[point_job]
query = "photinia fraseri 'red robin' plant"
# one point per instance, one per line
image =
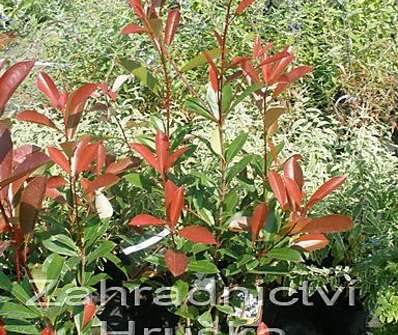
(219, 224)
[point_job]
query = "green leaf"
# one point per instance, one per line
(226, 309)
(203, 266)
(194, 105)
(200, 59)
(273, 114)
(280, 269)
(179, 292)
(238, 168)
(206, 319)
(187, 312)
(62, 245)
(5, 282)
(285, 254)
(226, 98)
(248, 91)
(53, 266)
(142, 73)
(94, 231)
(12, 310)
(103, 249)
(21, 327)
(236, 146)
(215, 142)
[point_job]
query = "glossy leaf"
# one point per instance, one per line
(142, 73)
(11, 79)
(6, 154)
(175, 200)
(120, 166)
(145, 220)
(47, 331)
(31, 202)
(293, 191)
(278, 188)
(35, 117)
(138, 8)
(236, 146)
(89, 311)
(194, 105)
(105, 180)
(147, 155)
(292, 170)
(200, 59)
(173, 20)
(258, 220)
(175, 156)
(46, 85)
(176, 262)
(324, 190)
(133, 29)
(311, 242)
(59, 158)
(243, 5)
(84, 158)
(285, 254)
(328, 224)
(203, 266)
(197, 234)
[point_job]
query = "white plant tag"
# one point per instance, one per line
(147, 243)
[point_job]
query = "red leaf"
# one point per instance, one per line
(147, 155)
(278, 188)
(297, 73)
(277, 72)
(133, 29)
(54, 194)
(6, 154)
(84, 157)
(138, 8)
(88, 312)
(47, 331)
(162, 150)
(46, 85)
(311, 242)
(31, 202)
(176, 262)
(173, 20)
(4, 227)
(31, 163)
(24, 150)
(258, 220)
(197, 234)
(175, 155)
(250, 71)
(328, 224)
(174, 202)
(56, 182)
(293, 191)
(324, 190)
(119, 166)
(2, 328)
(59, 158)
(262, 329)
(278, 56)
(145, 220)
(258, 50)
(213, 73)
(35, 117)
(293, 170)
(11, 79)
(243, 6)
(105, 180)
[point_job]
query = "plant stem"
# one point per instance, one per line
(265, 130)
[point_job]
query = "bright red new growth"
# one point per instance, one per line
(262, 329)
(105, 180)
(133, 29)
(174, 200)
(278, 188)
(311, 242)
(11, 79)
(46, 85)
(176, 262)
(88, 312)
(173, 20)
(294, 193)
(84, 156)
(258, 220)
(324, 190)
(213, 73)
(59, 158)
(2, 328)
(119, 166)
(35, 117)
(145, 220)
(47, 331)
(333, 223)
(293, 170)
(138, 8)
(197, 234)
(243, 6)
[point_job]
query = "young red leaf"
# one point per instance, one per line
(4, 227)
(138, 8)
(175, 155)
(56, 182)
(213, 73)
(297, 73)
(147, 155)
(293, 191)
(262, 329)
(328, 224)
(174, 198)
(31, 163)
(35, 117)
(47, 331)
(278, 188)
(59, 158)
(173, 20)
(105, 180)
(243, 5)
(54, 194)
(197, 234)
(31, 202)
(324, 190)
(250, 71)
(145, 220)
(11, 79)
(133, 29)
(258, 50)
(2, 328)
(176, 262)
(88, 312)
(292, 170)
(84, 157)
(311, 242)
(277, 71)
(281, 87)
(162, 150)
(6, 155)
(46, 85)
(258, 220)
(119, 166)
